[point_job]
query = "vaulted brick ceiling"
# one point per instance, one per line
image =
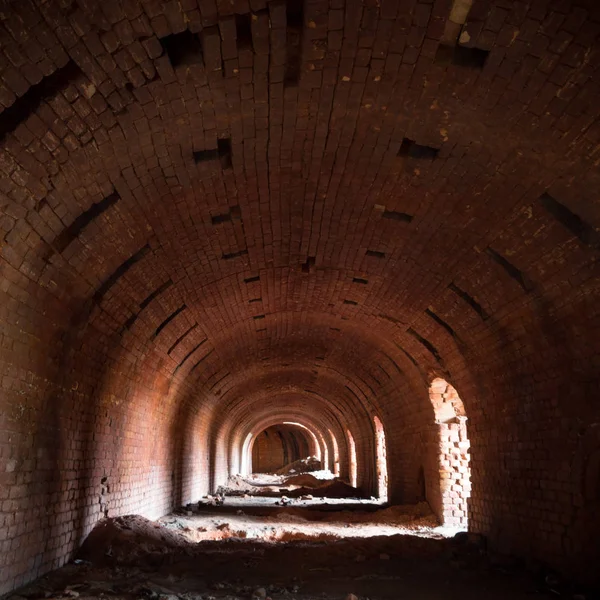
(217, 212)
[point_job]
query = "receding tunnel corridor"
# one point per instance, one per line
(308, 283)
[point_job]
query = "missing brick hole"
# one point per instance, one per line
(68, 235)
(183, 49)
(511, 270)
(427, 344)
(375, 254)
(218, 219)
(258, 317)
(396, 216)
(470, 301)
(410, 148)
(253, 300)
(222, 152)
(243, 30)
(351, 302)
(583, 231)
(182, 337)
(360, 281)
(310, 262)
(252, 279)
(229, 256)
(120, 271)
(29, 102)
(461, 56)
(441, 323)
(168, 320)
(295, 26)
(185, 358)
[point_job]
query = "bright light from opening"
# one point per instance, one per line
(353, 470)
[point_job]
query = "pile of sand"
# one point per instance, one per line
(124, 540)
(305, 480)
(334, 489)
(304, 465)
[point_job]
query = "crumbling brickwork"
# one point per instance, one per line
(219, 216)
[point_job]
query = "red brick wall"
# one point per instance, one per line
(324, 261)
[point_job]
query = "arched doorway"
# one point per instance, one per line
(352, 459)
(382, 471)
(454, 457)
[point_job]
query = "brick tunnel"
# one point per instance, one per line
(239, 233)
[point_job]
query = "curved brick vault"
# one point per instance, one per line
(220, 216)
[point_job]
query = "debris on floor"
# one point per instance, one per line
(304, 465)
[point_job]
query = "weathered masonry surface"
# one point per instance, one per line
(219, 217)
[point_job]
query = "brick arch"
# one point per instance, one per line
(455, 205)
(277, 446)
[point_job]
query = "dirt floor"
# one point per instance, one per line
(316, 519)
(132, 557)
(250, 548)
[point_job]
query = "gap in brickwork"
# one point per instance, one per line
(121, 270)
(168, 320)
(388, 318)
(511, 270)
(295, 27)
(233, 213)
(222, 153)
(425, 343)
(335, 329)
(181, 338)
(375, 254)
(310, 262)
(397, 216)
(201, 361)
(157, 292)
(441, 322)
(183, 49)
(360, 280)
(252, 279)
(470, 301)
(218, 219)
(410, 148)
(29, 102)
(408, 355)
(230, 255)
(224, 149)
(243, 31)
(69, 234)
(258, 317)
(583, 231)
(216, 383)
(461, 56)
(396, 366)
(253, 300)
(351, 302)
(184, 359)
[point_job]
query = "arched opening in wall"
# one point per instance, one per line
(317, 453)
(381, 461)
(278, 446)
(454, 456)
(336, 454)
(352, 459)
